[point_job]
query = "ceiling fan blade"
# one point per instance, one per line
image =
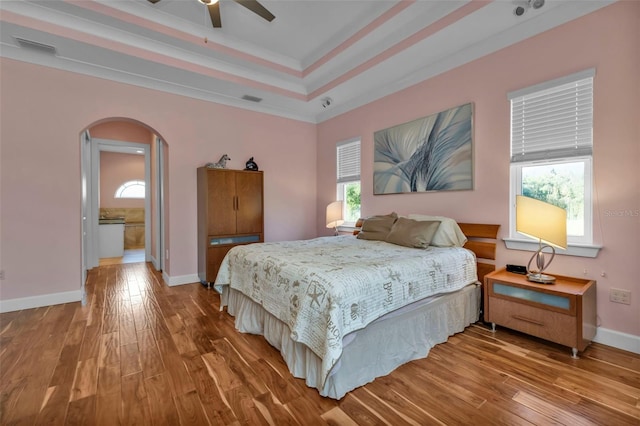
(214, 13)
(257, 8)
(153, 1)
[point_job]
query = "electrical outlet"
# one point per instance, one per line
(617, 295)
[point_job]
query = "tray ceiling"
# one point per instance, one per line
(352, 52)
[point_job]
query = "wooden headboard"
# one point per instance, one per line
(481, 239)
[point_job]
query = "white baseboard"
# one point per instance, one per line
(179, 280)
(624, 341)
(21, 303)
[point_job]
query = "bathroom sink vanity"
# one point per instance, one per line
(111, 237)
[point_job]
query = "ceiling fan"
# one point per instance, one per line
(214, 10)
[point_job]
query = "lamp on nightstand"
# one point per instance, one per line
(546, 223)
(334, 215)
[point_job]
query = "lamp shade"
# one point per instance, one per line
(334, 214)
(542, 221)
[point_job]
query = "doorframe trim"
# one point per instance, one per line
(125, 147)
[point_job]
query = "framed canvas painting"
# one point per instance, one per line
(433, 153)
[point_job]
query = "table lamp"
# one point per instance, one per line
(546, 223)
(334, 215)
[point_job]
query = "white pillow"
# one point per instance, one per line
(448, 234)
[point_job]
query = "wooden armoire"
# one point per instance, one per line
(230, 212)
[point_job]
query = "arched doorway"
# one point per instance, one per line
(123, 135)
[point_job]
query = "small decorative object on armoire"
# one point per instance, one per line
(251, 165)
(221, 164)
(230, 212)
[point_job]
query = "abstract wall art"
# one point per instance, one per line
(433, 153)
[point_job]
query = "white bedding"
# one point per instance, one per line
(327, 287)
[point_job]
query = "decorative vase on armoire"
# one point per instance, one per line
(230, 212)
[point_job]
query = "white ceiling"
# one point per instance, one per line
(352, 51)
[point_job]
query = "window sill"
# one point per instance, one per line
(580, 250)
(346, 228)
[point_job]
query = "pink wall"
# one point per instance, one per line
(40, 169)
(607, 40)
(115, 169)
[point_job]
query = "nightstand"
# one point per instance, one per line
(563, 312)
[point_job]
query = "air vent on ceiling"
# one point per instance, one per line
(34, 45)
(251, 98)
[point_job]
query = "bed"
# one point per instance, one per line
(344, 310)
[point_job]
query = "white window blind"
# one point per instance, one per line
(348, 155)
(553, 120)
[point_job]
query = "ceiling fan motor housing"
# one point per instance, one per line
(214, 10)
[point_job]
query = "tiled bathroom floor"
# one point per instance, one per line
(130, 256)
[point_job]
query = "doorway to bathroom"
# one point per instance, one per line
(123, 199)
(123, 190)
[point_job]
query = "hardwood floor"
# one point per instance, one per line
(141, 352)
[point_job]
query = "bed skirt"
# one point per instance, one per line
(385, 344)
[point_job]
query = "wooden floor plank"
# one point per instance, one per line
(175, 370)
(141, 352)
(609, 396)
(190, 409)
(108, 410)
(82, 411)
(239, 366)
(127, 327)
(109, 349)
(135, 402)
(10, 398)
(613, 356)
(216, 408)
(278, 386)
(199, 334)
(274, 412)
(54, 406)
(553, 412)
(336, 416)
(85, 383)
(360, 413)
(130, 359)
(163, 408)
(183, 342)
(381, 408)
(150, 358)
(65, 369)
(244, 407)
(90, 347)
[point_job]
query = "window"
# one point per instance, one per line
(131, 189)
(348, 179)
(551, 149)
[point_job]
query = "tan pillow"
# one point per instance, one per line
(412, 233)
(448, 234)
(377, 227)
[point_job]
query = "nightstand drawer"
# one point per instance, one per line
(561, 303)
(554, 326)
